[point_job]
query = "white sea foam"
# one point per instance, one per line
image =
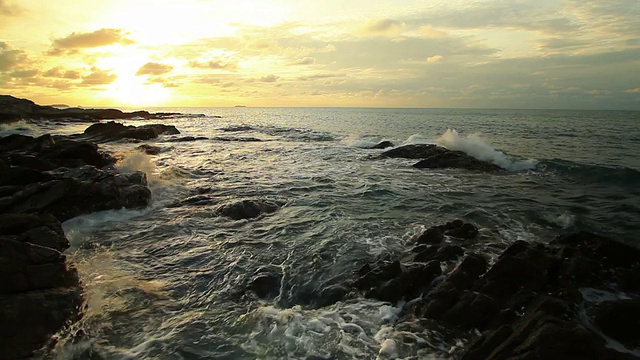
(417, 139)
(20, 127)
(137, 161)
(477, 147)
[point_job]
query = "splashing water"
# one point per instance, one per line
(20, 127)
(475, 146)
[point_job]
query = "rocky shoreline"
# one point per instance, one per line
(531, 302)
(14, 109)
(44, 181)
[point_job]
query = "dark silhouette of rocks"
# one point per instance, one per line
(247, 209)
(115, 131)
(43, 181)
(40, 291)
(438, 157)
(14, 109)
(528, 304)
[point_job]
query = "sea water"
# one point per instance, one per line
(167, 282)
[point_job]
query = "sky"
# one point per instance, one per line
(527, 54)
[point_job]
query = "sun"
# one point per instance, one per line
(135, 91)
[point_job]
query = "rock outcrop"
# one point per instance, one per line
(40, 291)
(528, 304)
(437, 157)
(14, 109)
(44, 181)
(115, 131)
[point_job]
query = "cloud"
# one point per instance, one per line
(9, 9)
(58, 72)
(216, 64)
(152, 68)
(98, 38)
(269, 78)
(99, 77)
(307, 60)
(24, 73)
(384, 26)
(435, 59)
(10, 58)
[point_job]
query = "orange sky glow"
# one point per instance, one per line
(481, 53)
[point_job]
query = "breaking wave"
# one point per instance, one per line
(477, 147)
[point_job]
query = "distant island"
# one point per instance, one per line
(240, 106)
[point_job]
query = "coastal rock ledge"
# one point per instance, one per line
(40, 291)
(44, 181)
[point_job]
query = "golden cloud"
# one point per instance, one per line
(152, 68)
(98, 38)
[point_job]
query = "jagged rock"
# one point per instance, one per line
(115, 131)
(434, 156)
(69, 197)
(247, 209)
(40, 292)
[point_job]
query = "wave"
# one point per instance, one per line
(475, 146)
(585, 173)
(20, 127)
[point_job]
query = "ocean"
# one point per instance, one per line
(166, 282)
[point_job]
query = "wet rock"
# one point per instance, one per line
(432, 235)
(434, 156)
(115, 131)
(266, 285)
(197, 200)
(149, 149)
(236, 128)
(40, 292)
(187, 139)
(247, 209)
(382, 145)
(330, 295)
(620, 320)
(69, 197)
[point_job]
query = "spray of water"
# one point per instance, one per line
(477, 147)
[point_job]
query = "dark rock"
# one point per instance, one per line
(197, 200)
(236, 128)
(441, 253)
(149, 149)
(473, 310)
(247, 209)
(382, 145)
(40, 292)
(266, 285)
(432, 235)
(68, 197)
(620, 320)
(14, 109)
(115, 131)
(330, 295)
(187, 139)
(240, 139)
(464, 231)
(434, 156)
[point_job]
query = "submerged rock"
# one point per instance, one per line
(149, 149)
(438, 157)
(247, 209)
